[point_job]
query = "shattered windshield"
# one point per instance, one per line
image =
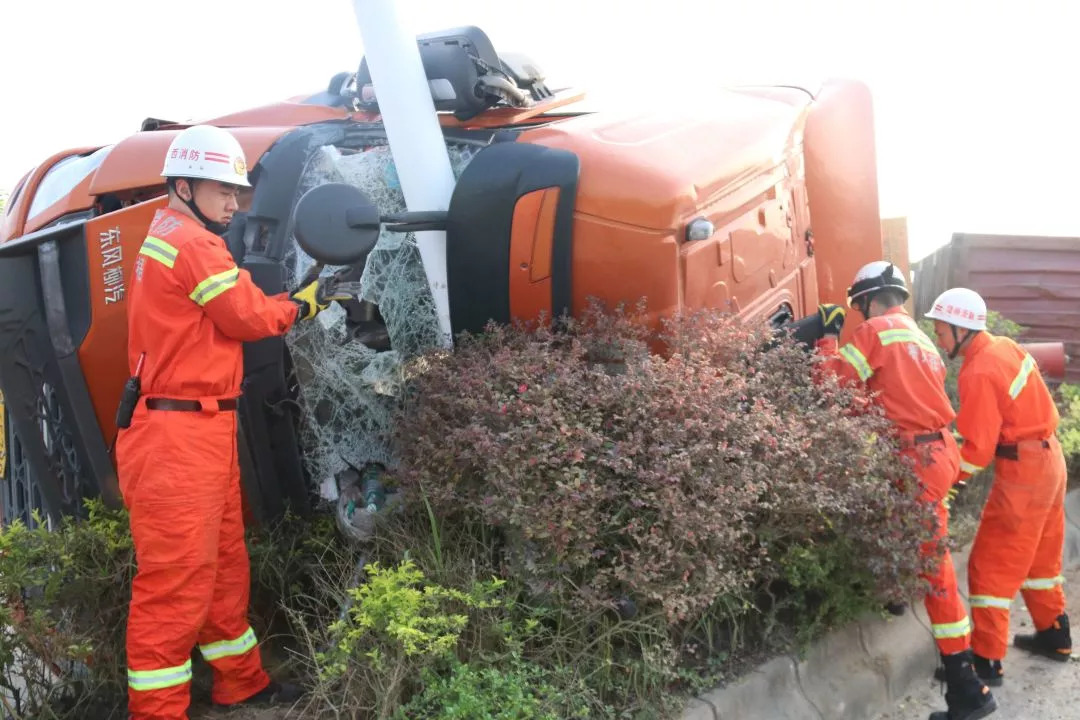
(351, 360)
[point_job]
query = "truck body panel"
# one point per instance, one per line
(762, 203)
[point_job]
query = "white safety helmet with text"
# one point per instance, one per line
(205, 152)
(961, 307)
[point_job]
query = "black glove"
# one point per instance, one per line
(828, 320)
(832, 318)
(804, 331)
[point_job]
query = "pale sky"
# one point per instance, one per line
(975, 101)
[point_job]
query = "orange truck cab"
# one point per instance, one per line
(764, 203)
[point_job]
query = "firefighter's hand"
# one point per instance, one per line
(954, 492)
(309, 301)
(832, 318)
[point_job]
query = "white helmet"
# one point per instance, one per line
(208, 153)
(875, 276)
(960, 307)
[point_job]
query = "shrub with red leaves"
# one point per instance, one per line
(716, 469)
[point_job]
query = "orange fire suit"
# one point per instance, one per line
(190, 311)
(1007, 411)
(901, 365)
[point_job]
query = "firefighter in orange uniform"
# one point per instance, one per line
(190, 310)
(1008, 416)
(898, 362)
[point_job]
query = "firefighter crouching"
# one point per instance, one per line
(189, 312)
(899, 363)
(1007, 415)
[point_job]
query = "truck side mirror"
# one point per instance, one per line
(336, 224)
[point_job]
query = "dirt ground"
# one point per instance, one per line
(1034, 688)
(207, 713)
(202, 710)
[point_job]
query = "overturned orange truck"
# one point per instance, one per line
(762, 201)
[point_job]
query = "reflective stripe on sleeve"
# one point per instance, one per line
(1022, 377)
(157, 249)
(857, 360)
(159, 679)
(895, 335)
(215, 285)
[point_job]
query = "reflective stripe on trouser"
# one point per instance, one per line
(161, 678)
(1018, 548)
(949, 621)
(937, 465)
(180, 481)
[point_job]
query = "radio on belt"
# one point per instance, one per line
(130, 397)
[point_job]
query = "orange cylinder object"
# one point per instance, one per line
(1050, 356)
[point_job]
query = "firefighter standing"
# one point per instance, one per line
(190, 310)
(898, 362)
(1008, 415)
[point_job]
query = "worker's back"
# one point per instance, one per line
(998, 368)
(900, 364)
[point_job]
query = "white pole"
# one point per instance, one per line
(412, 127)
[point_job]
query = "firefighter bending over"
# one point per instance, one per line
(898, 362)
(1007, 415)
(190, 310)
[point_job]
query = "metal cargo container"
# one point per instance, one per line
(1031, 280)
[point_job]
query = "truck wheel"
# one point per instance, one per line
(19, 490)
(60, 445)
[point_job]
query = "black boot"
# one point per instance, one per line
(989, 671)
(1055, 642)
(273, 694)
(965, 695)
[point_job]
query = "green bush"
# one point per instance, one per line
(373, 632)
(297, 566)
(667, 509)
(64, 596)
(63, 610)
(1068, 397)
(588, 530)
(397, 625)
(517, 690)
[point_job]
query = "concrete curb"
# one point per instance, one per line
(855, 672)
(1072, 528)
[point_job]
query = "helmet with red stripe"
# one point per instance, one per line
(205, 152)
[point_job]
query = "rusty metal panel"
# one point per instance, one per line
(894, 244)
(1031, 280)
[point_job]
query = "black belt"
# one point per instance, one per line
(1012, 452)
(188, 405)
(928, 438)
